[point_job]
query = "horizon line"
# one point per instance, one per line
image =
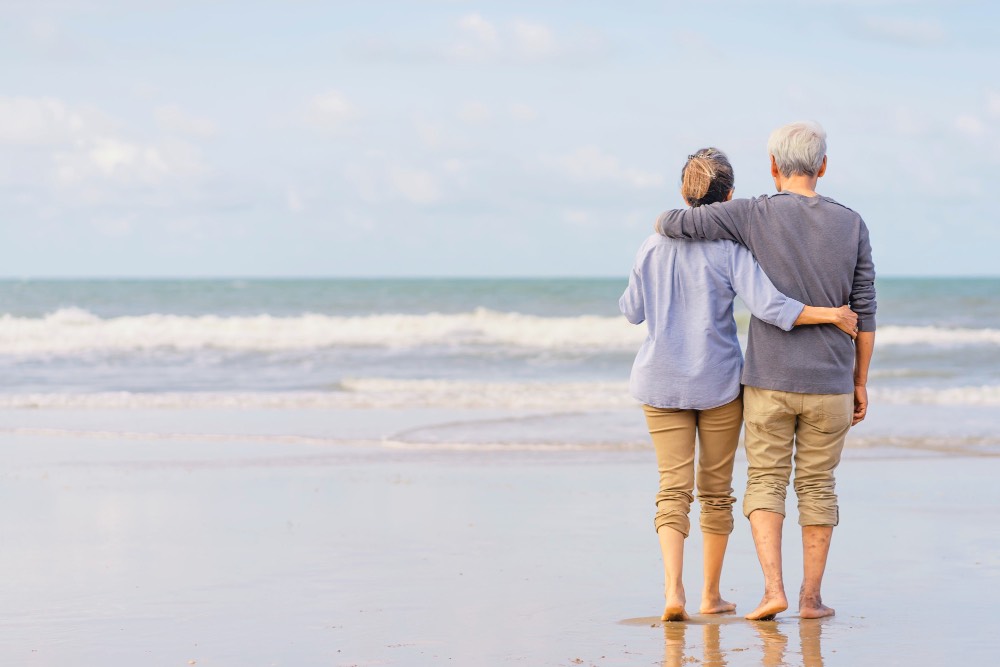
(69, 278)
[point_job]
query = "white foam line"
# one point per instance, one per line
(154, 435)
(362, 393)
(381, 393)
(973, 395)
(71, 331)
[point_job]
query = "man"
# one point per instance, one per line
(806, 387)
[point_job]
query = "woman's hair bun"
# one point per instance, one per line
(707, 177)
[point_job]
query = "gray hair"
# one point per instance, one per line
(798, 148)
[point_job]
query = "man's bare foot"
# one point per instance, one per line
(820, 611)
(811, 606)
(714, 604)
(674, 613)
(769, 607)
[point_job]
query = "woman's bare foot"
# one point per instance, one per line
(768, 608)
(714, 604)
(674, 613)
(674, 610)
(811, 606)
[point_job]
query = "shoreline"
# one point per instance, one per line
(889, 432)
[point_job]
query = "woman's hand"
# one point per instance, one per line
(843, 318)
(846, 320)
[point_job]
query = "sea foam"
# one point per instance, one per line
(72, 330)
(382, 393)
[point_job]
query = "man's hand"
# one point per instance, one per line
(860, 404)
(846, 320)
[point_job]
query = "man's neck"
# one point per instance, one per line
(799, 184)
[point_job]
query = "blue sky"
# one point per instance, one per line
(473, 138)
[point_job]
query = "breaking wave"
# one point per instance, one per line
(72, 330)
(366, 393)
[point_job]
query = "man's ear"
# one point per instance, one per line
(775, 174)
(730, 195)
(822, 168)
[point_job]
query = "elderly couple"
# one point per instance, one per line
(803, 385)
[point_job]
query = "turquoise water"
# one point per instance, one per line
(111, 298)
(906, 301)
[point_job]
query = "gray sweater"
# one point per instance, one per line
(814, 250)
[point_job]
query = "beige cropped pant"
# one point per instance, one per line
(673, 432)
(808, 428)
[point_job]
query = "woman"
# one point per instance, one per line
(687, 373)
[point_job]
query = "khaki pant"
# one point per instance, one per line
(673, 433)
(811, 428)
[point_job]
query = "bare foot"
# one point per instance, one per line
(811, 606)
(676, 600)
(714, 604)
(769, 607)
(674, 613)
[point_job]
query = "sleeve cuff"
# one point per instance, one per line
(866, 323)
(789, 313)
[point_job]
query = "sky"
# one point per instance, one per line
(454, 138)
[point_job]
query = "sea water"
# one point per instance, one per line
(554, 352)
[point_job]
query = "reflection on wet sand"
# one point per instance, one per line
(713, 656)
(809, 636)
(673, 648)
(773, 644)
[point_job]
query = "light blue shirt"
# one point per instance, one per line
(684, 292)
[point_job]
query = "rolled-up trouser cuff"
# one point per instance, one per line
(717, 515)
(828, 517)
(752, 503)
(675, 519)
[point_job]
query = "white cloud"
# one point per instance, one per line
(174, 119)
(415, 185)
(331, 110)
(111, 155)
(45, 121)
(103, 161)
(519, 41)
(474, 113)
(909, 32)
(591, 165)
(85, 150)
(533, 40)
(970, 125)
(522, 112)
(379, 181)
(479, 38)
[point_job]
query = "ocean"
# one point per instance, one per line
(527, 363)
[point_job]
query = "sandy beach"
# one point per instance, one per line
(130, 541)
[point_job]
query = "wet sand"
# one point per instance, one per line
(231, 550)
